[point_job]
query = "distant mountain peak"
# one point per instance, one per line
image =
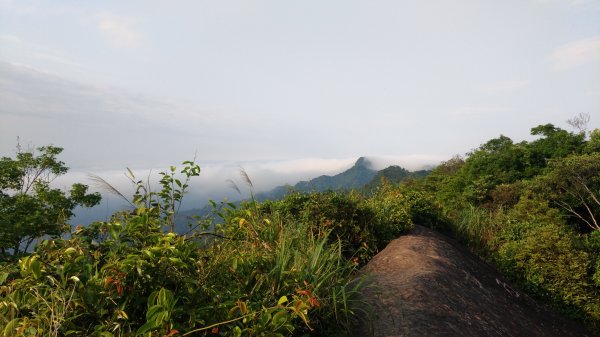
(363, 162)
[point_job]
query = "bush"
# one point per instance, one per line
(549, 263)
(337, 215)
(392, 216)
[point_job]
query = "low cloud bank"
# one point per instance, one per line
(212, 184)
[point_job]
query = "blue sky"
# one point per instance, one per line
(299, 87)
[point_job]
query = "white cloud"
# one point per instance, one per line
(17, 7)
(120, 31)
(576, 53)
(308, 165)
(411, 162)
(8, 38)
(505, 86)
(570, 3)
(212, 182)
(475, 110)
(36, 50)
(28, 91)
(593, 93)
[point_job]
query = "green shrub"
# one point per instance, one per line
(340, 216)
(550, 264)
(391, 214)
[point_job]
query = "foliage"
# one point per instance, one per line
(167, 200)
(573, 183)
(391, 214)
(260, 274)
(288, 267)
(364, 225)
(355, 177)
(393, 175)
(550, 264)
(531, 208)
(339, 215)
(29, 207)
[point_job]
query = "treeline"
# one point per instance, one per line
(532, 208)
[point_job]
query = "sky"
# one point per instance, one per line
(288, 89)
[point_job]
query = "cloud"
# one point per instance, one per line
(413, 162)
(43, 108)
(36, 51)
(505, 86)
(8, 38)
(570, 3)
(477, 110)
(212, 182)
(18, 7)
(120, 31)
(308, 165)
(576, 53)
(28, 91)
(120, 127)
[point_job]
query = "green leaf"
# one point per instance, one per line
(11, 327)
(280, 318)
(149, 326)
(282, 300)
(153, 312)
(3, 277)
(36, 268)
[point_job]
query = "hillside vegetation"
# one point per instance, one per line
(533, 210)
(280, 268)
(289, 267)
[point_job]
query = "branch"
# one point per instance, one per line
(570, 209)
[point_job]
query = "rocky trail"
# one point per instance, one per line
(425, 284)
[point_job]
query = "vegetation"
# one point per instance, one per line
(355, 177)
(532, 209)
(288, 267)
(29, 207)
(285, 268)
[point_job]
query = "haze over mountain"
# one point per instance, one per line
(357, 176)
(271, 179)
(362, 175)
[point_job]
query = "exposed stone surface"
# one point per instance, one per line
(425, 284)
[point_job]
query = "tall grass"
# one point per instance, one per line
(475, 226)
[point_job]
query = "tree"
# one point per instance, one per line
(29, 207)
(580, 122)
(554, 143)
(574, 184)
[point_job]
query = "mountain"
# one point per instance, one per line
(359, 176)
(394, 174)
(355, 177)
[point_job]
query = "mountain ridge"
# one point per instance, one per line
(360, 175)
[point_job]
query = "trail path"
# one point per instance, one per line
(425, 284)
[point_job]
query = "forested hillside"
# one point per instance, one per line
(355, 177)
(289, 267)
(532, 208)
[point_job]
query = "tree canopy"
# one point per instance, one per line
(29, 206)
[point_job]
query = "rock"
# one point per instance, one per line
(425, 284)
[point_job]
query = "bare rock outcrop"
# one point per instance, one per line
(425, 284)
